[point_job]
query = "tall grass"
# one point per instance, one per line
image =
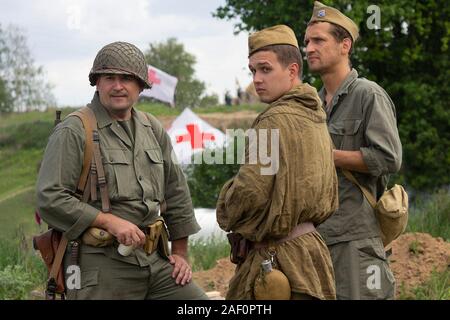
(436, 288)
(21, 269)
(431, 214)
(204, 253)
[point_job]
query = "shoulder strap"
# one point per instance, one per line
(352, 178)
(87, 117)
(366, 192)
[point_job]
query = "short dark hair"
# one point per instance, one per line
(286, 54)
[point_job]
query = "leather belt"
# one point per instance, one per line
(301, 229)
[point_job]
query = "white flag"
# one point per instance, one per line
(190, 134)
(164, 85)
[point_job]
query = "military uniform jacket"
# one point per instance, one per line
(139, 176)
(267, 207)
(362, 117)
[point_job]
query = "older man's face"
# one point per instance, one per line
(118, 93)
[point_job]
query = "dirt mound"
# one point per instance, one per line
(414, 257)
(217, 278)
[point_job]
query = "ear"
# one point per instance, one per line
(293, 71)
(346, 45)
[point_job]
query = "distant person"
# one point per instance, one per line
(239, 95)
(140, 175)
(362, 122)
(277, 212)
(228, 99)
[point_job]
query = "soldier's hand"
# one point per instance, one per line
(126, 232)
(182, 272)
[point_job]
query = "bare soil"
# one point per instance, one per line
(414, 257)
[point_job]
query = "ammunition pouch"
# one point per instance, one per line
(239, 247)
(157, 238)
(97, 237)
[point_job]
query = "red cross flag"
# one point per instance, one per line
(190, 134)
(164, 85)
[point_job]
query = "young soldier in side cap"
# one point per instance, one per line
(362, 123)
(277, 213)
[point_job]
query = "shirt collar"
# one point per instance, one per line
(343, 88)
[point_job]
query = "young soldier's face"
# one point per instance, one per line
(270, 77)
(323, 52)
(118, 93)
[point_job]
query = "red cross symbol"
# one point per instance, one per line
(153, 77)
(196, 137)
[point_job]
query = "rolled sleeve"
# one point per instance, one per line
(83, 222)
(182, 230)
(383, 153)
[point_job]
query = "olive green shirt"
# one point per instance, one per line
(362, 117)
(139, 176)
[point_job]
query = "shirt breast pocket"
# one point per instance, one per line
(346, 134)
(118, 170)
(155, 171)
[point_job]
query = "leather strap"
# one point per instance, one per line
(299, 230)
(97, 159)
(58, 258)
(366, 192)
(86, 115)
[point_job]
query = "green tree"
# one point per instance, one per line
(22, 86)
(171, 57)
(6, 104)
(407, 56)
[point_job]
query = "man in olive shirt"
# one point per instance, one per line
(362, 122)
(140, 173)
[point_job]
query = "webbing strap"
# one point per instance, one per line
(85, 114)
(92, 172)
(58, 258)
(97, 159)
(366, 192)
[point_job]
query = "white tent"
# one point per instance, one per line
(190, 134)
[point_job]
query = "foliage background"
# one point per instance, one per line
(407, 56)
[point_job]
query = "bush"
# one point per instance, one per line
(206, 180)
(21, 268)
(15, 283)
(32, 135)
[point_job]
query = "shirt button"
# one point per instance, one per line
(140, 178)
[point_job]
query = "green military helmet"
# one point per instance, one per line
(120, 58)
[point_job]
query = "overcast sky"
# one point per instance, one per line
(64, 37)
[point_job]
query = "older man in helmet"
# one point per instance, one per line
(140, 175)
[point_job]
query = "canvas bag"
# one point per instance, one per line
(391, 209)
